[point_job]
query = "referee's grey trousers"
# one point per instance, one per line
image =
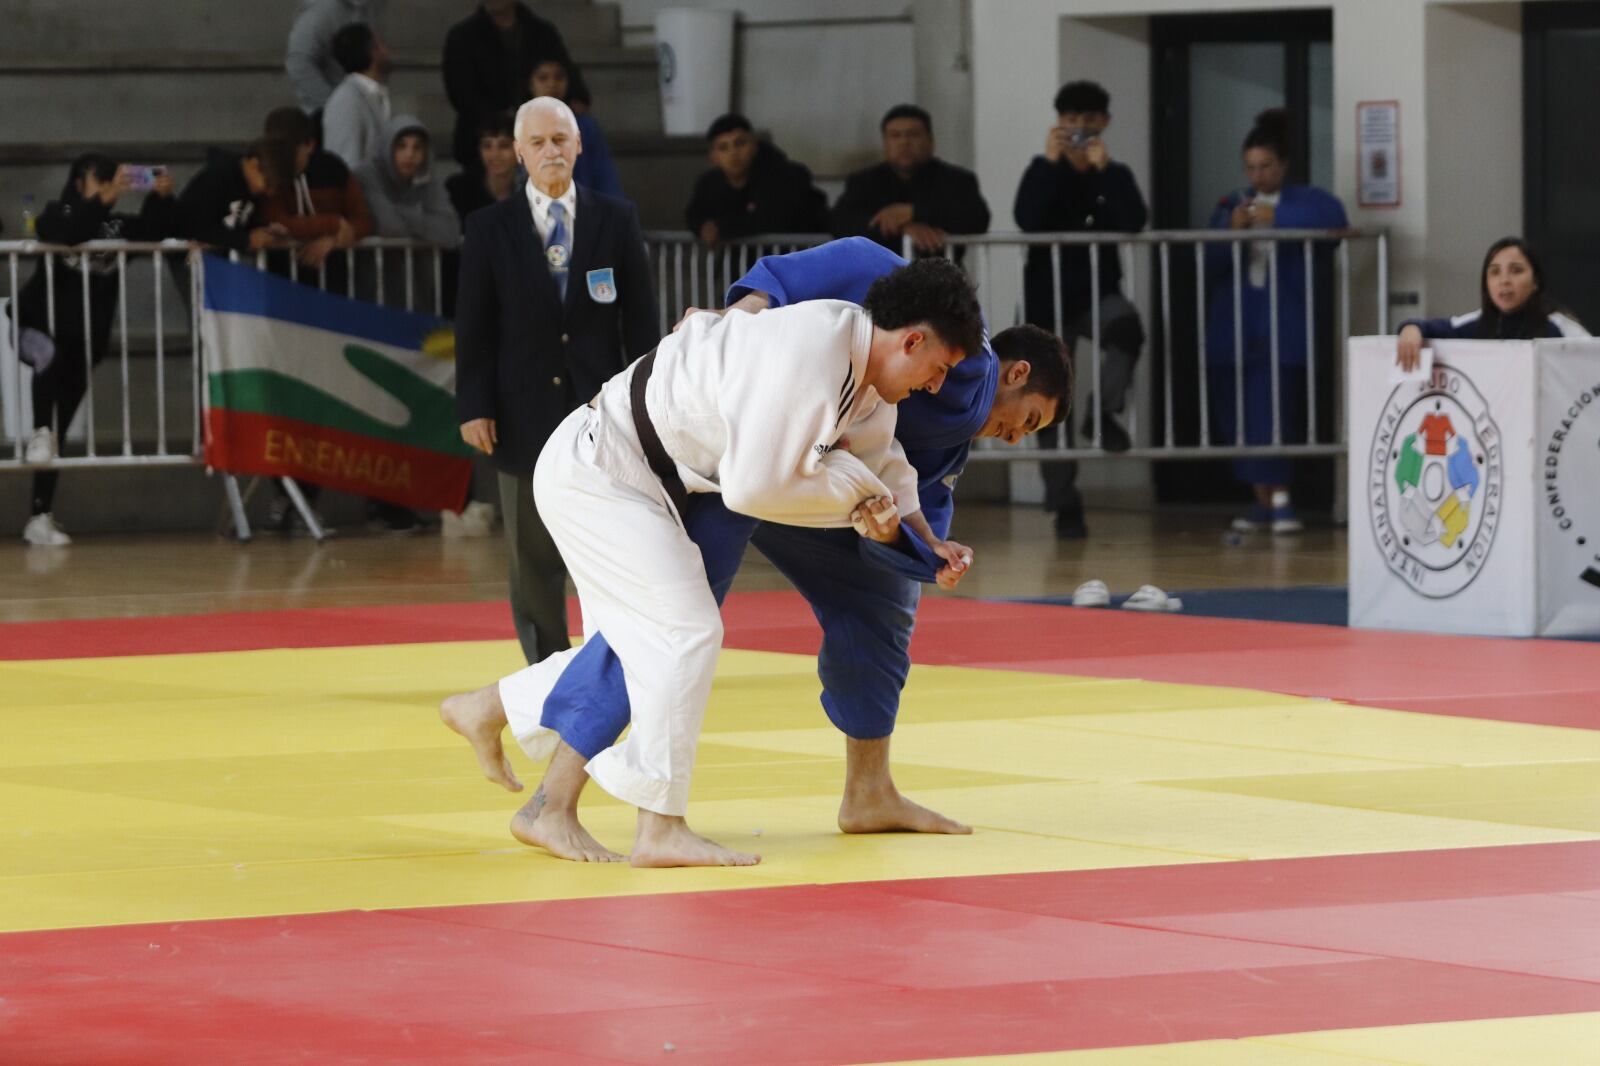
(538, 576)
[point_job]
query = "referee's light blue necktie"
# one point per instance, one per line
(558, 249)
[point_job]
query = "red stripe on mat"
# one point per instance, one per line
(1538, 681)
(857, 972)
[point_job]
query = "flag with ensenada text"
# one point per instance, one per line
(328, 390)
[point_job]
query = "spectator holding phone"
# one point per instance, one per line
(221, 204)
(1270, 202)
(1075, 186)
(85, 211)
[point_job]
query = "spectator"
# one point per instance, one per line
(1076, 187)
(595, 168)
(752, 188)
(911, 193)
(545, 318)
(488, 57)
(358, 112)
(1269, 203)
(313, 71)
(404, 198)
(60, 356)
(1513, 305)
(221, 204)
(323, 209)
(495, 177)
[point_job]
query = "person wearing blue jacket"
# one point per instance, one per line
(1269, 203)
(864, 594)
(595, 168)
(1514, 306)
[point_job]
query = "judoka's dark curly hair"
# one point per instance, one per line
(1050, 369)
(934, 292)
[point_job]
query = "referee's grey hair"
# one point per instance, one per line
(543, 103)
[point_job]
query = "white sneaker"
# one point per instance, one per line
(43, 532)
(476, 520)
(41, 447)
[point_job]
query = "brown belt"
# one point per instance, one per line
(655, 453)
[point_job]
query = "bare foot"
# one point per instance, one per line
(479, 716)
(664, 840)
(557, 831)
(890, 812)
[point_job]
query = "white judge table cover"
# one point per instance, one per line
(1475, 494)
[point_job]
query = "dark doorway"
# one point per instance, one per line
(1561, 179)
(1212, 76)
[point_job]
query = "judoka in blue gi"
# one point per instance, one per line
(864, 593)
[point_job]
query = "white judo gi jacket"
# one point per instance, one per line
(766, 409)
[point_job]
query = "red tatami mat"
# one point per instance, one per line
(851, 972)
(1540, 681)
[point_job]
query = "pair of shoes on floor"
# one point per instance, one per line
(1279, 520)
(42, 532)
(1113, 437)
(41, 447)
(392, 519)
(475, 520)
(284, 518)
(1094, 593)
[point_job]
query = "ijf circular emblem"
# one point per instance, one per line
(556, 256)
(1435, 482)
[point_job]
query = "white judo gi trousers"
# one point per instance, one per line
(641, 582)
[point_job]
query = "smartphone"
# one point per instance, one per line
(142, 178)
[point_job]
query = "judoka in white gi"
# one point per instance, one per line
(788, 414)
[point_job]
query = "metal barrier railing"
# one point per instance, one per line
(691, 274)
(156, 337)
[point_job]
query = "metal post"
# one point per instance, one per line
(411, 278)
(661, 287)
(16, 347)
(1094, 329)
(161, 358)
(1164, 250)
(1311, 347)
(309, 516)
(122, 315)
(241, 523)
(350, 273)
(197, 346)
(438, 281)
(1238, 347)
(377, 262)
(88, 354)
(1200, 334)
(1272, 321)
(1383, 284)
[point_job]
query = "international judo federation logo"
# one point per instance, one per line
(1435, 483)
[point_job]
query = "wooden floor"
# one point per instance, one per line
(1017, 555)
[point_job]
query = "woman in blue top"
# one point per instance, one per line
(1269, 203)
(1513, 306)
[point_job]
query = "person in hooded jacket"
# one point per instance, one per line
(595, 169)
(402, 194)
(63, 351)
(752, 188)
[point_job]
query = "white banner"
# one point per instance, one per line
(1442, 490)
(1568, 456)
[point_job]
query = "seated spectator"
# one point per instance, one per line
(84, 212)
(402, 194)
(221, 204)
(313, 71)
(911, 193)
(752, 188)
(1076, 187)
(488, 57)
(1513, 306)
(358, 112)
(323, 209)
(1269, 202)
(595, 168)
(495, 177)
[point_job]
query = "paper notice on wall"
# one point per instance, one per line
(1378, 153)
(1567, 451)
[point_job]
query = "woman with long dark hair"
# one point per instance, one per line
(62, 355)
(1512, 306)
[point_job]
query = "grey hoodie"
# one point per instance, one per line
(419, 209)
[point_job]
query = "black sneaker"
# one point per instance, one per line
(392, 519)
(1113, 438)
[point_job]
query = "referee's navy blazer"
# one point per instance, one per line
(525, 357)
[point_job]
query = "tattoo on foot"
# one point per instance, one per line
(536, 804)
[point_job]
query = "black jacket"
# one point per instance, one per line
(940, 194)
(778, 197)
(74, 220)
(482, 75)
(525, 359)
(1056, 198)
(217, 207)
